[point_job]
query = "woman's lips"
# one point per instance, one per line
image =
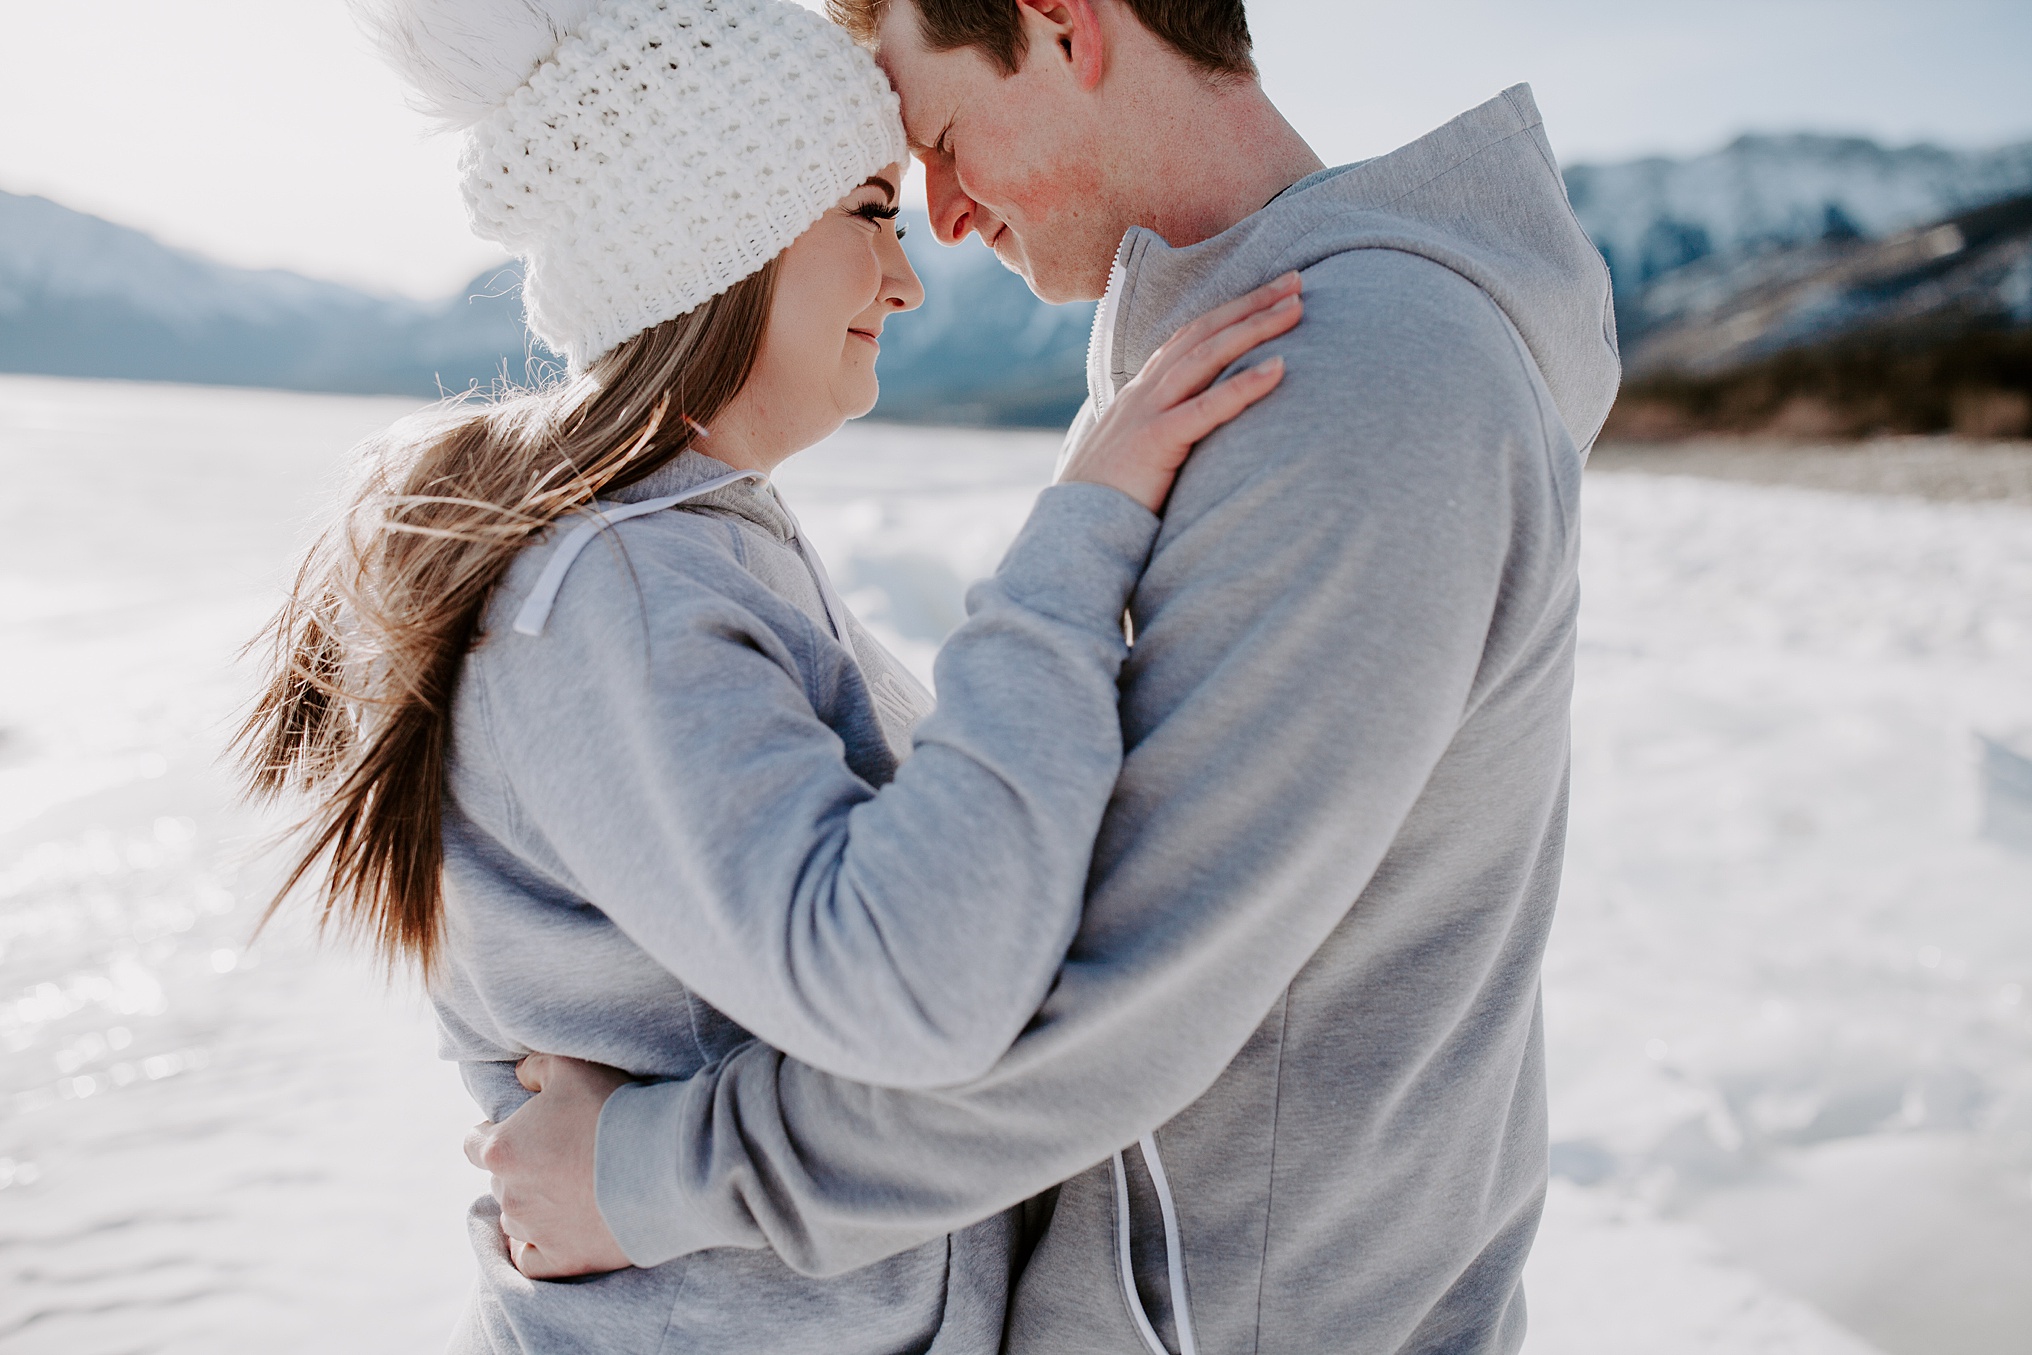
(864, 334)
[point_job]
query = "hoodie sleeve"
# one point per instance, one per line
(1340, 573)
(662, 748)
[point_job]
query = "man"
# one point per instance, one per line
(1298, 1031)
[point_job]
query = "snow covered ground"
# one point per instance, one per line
(1791, 1045)
(1786, 994)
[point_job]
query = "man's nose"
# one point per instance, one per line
(953, 213)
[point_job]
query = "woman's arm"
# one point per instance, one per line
(664, 746)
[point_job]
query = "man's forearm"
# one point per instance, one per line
(1237, 857)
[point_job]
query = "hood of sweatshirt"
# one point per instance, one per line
(754, 500)
(1481, 196)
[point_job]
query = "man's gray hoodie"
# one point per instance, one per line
(1309, 958)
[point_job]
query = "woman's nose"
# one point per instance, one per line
(901, 288)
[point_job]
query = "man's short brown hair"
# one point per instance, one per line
(1212, 34)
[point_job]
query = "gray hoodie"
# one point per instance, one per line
(1310, 951)
(677, 823)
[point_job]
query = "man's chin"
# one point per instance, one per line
(1040, 287)
(1053, 286)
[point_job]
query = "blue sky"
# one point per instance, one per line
(261, 132)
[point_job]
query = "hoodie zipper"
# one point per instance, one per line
(1101, 344)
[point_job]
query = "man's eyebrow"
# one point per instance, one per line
(877, 181)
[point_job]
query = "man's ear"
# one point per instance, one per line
(1070, 32)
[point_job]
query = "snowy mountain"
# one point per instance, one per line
(1970, 272)
(80, 296)
(1684, 238)
(50, 251)
(1819, 287)
(1652, 216)
(1928, 331)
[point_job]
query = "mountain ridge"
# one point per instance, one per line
(87, 297)
(50, 247)
(82, 296)
(1654, 215)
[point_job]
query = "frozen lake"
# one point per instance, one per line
(1791, 1043)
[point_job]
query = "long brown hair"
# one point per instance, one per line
(365, 655)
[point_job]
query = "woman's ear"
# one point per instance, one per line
(1072, 30)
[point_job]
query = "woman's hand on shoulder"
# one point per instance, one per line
(1153, 422)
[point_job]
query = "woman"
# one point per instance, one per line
(589, 736)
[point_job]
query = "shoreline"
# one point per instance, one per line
(1940, 469)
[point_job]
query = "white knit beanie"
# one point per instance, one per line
(659, 152)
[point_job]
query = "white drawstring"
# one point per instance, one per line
(1174, 1245)
(1126, 1264)
(1174, 1253)
(536, 607)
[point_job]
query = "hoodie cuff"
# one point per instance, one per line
(635, 1177)
(1080, 555)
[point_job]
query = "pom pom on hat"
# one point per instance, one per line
(652, 155)
(462, 58)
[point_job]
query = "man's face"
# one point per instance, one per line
(1014, 159)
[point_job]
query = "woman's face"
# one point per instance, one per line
(835, 288)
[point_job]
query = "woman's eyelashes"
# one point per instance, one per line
(876, 212)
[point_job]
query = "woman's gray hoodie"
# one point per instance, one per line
(1310, 953)
(677, 822)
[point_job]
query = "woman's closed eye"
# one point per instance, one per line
(876, 212)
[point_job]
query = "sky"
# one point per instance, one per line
(264, 133)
